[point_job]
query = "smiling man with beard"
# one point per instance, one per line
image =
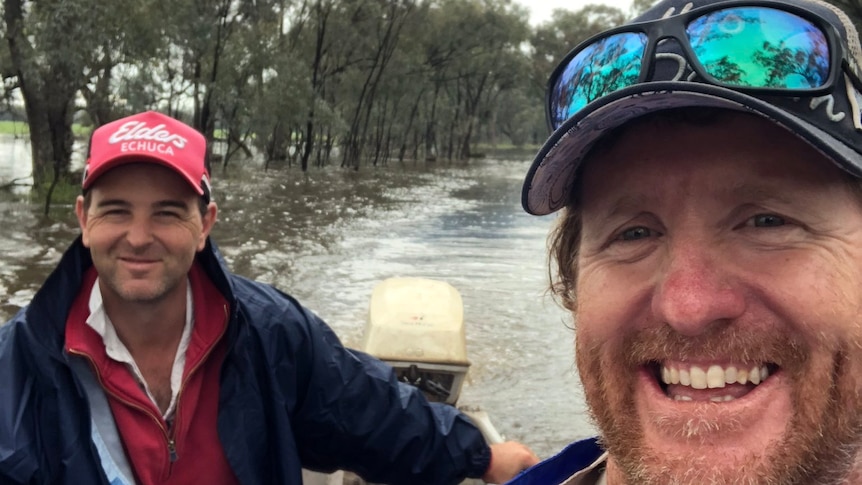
(706, 161)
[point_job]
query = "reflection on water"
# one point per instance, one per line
(329, 237)
(15, 160)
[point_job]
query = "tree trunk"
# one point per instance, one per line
(430, 127)
(384, 53)
(413, 111)
(48, 101)
(316, 83)
(98, 99)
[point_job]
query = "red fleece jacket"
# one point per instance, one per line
(190, 451)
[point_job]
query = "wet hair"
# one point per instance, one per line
(565, 238)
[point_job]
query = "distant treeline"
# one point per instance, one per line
(291, 80)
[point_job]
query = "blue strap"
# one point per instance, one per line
(105, 435)
(559, 468)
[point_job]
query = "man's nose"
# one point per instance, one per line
(696, 291)
(140, 232)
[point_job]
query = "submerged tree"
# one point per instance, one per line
(293, 80)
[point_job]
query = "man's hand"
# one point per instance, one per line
(507, 460)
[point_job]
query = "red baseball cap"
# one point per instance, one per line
(149, 137)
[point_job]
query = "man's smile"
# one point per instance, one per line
(711, 382)
(137, 263)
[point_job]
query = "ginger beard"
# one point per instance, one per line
(818, 446)
(711, 246)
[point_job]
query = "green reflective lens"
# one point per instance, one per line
(735, 47)
(760, 47)
(605, 66)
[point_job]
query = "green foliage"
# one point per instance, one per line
(297, 81)
(14, 128)
(18, 128)
(554, 39)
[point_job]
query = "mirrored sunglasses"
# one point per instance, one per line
(759, 47)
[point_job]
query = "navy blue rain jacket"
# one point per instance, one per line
(291, 396)
(560, 467)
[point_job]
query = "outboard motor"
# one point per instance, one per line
(416, 325)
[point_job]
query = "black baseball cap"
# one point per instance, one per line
(829, 120)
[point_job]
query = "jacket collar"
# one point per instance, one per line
(46, 314)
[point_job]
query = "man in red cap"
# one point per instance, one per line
(142, 359)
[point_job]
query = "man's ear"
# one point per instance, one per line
(81, 214)
(208, 220)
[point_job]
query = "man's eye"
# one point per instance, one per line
(636, 233)
(767, 220)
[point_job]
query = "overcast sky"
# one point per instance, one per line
(540, 10)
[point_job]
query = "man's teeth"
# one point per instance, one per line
(714, 377)
(680, 397)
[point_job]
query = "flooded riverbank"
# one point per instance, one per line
(328, 237)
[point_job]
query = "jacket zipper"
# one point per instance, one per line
(170, 436)
(172, 448)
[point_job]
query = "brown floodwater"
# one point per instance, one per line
(328, 237)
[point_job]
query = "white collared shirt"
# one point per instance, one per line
(588, 476)
(117, 350)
